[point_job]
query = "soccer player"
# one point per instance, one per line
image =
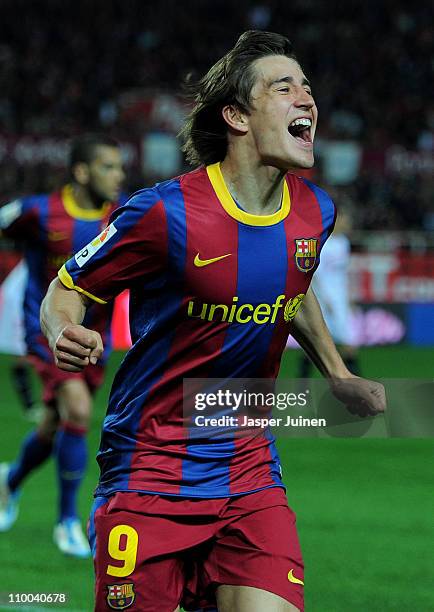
(53, 227)
(12, 337)
(218, 261)
(331, 286)
(20, 378)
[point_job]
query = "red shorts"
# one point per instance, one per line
(154, 553)
(52, 377)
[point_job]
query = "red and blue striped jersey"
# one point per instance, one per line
(52, 228)
(212, 293)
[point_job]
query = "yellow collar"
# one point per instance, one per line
(83, 214)
(226, 200)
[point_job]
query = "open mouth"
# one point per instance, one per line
(300, 129)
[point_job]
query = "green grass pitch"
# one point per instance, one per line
(364, 509)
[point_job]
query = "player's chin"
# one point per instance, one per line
(294, 162)
(304, 160)
(111, 196)
(296, 157)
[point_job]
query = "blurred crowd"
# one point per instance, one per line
(64, 67)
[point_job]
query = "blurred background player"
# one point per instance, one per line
(12, 338)
(331, 286)
(52, 227)
(22, 382)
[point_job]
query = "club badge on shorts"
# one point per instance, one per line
(120, 596)
(305, 253)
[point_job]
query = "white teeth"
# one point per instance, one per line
(302, 121)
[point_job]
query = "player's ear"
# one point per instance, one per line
(80, 172)
(235, 118)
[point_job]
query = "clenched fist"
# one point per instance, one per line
(360, 395)
(76, 347)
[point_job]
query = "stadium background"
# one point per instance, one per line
(117, 66)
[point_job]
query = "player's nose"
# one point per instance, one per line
(304, 99)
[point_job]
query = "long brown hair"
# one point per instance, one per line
(229, 81)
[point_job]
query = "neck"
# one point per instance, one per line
(84, 198)
(258, 190)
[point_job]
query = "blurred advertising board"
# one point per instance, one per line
(32, 149)
(394, 297)
(399, 161)
(396, 277)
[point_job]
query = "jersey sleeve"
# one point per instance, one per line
(328, 215)
(18, 218)
(132, 248)
(327, 211)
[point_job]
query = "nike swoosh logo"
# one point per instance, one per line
(199, 263)
(293, 579)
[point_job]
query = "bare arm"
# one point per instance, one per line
(311, 332)
(62, 312)
(361, 396)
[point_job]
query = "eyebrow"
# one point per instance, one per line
(289, 79)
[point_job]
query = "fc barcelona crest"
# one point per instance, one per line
(120, 596)
(305, 253)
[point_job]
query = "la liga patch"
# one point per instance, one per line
(93, 247)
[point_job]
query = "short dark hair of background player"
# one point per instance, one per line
(83, 149)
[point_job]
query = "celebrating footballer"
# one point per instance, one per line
(219, 263)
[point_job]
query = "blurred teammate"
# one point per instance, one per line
(52, 227)
(21, 380)
(331, 286)
(12, 337)
(218, 261)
